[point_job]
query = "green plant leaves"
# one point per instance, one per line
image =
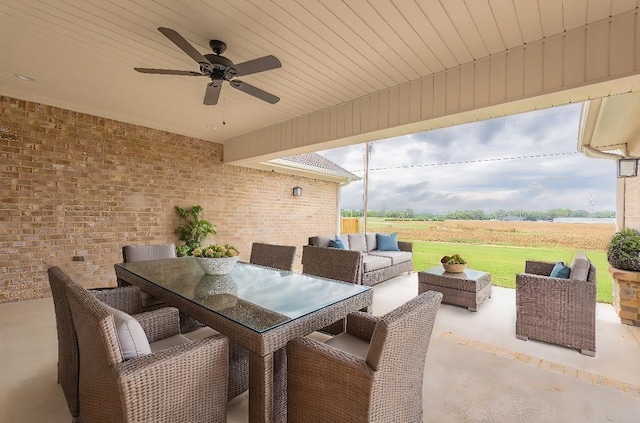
(623, 251)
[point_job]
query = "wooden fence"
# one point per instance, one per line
(349, 225)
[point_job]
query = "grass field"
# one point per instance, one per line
(501, 248)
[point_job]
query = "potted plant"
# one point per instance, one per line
(623, 251)
(193, 229)
(453, 264)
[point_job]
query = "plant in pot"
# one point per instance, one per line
(623, 251)
(193, 229)
(453, 264)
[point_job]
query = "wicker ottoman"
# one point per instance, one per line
(467, 289)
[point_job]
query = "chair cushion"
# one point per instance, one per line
(169, 342)
(580, 268)
(133, 341)
(560, 271)
(373, 262)
(345, 240)
(387, 242)
(149, 252)
(351, 344)
(336, 243)
(395, 256)
(357, 242)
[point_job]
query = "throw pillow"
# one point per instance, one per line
(336, 243)
(387, 242)
(357, 242)
(133, 340)
(560, 271)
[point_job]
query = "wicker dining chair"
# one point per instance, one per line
(555, 310)
(371, 373)
(126, 299)
(238, 356)
(171, 379)
(274, 256)
(345, 266)
(133, 253)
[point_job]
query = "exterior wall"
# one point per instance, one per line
(631, 204)
(79, 185)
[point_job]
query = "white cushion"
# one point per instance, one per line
(133, 341)
(351, 344)
(395, 256)
(580, 268)
(171, 341)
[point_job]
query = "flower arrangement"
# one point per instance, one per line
(454, 259)
(215, 251)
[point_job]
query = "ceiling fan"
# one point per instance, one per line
(219, 69)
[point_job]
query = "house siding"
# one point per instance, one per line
(74, 184)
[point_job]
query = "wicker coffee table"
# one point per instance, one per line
(467, 289)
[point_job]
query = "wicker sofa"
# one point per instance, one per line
(556, 310)
(375, 265)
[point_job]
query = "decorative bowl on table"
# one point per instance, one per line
(453, 264)
(218, 265)
(454, 268)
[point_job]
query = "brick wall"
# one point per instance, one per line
(80, 185)
(631, 203)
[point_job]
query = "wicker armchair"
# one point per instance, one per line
(372, 373)
(274, 256)
(126, 299)
(238, 356)
(180, 380)
(132, 253)
(342, 266)
(559, 311)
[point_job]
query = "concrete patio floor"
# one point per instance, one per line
(476, 370)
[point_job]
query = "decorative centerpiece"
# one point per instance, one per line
(453, 264)
(216, 259)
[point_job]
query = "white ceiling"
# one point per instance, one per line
(81, 53)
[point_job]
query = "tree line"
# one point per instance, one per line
(520, 215)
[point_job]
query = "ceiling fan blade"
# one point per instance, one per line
(168, 72)
(183, 44)
(257, 65)
(212, 93)
(256, 92)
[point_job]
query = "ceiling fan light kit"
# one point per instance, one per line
(219, 69)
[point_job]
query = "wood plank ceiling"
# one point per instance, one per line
(81, 53)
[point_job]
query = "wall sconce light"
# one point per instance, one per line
(627, 168)
(297, 191)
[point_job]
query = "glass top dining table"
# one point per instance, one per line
(258, 307)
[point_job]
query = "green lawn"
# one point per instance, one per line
(504, 262)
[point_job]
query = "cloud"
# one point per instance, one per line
(526, 162)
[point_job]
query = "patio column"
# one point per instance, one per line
(626, 295)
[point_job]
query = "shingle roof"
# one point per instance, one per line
(315, 163)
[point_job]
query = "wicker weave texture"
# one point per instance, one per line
(329, 385)
(266, 388)
(183, 383)
(559, 311)
(274, 256)
(457, 288)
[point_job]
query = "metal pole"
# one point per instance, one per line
(366, 188)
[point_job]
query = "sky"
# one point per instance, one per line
(457, 168)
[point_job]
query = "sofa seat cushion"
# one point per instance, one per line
(373, 262)
(169, 342)
(396, 257)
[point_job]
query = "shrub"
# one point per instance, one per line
(623, 251)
